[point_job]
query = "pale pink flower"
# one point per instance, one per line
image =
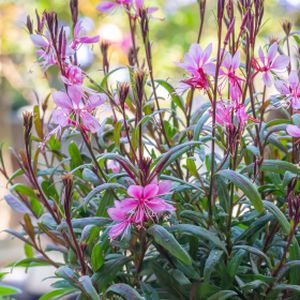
(72, 109)
(290, 89)
(223, 114)
(270, 63)
(73, 75)
(123, 221)
(80, 38)
(114, 166)
(144, 204)
(197, 63)
(107, 6)
(228, 75)
(226, 113)
(241, 115)
(139, 6)
(46, 52)
(293, 131)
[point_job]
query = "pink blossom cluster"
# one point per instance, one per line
(135, 5)
(144, 203)
(202, 70)
(76, 105)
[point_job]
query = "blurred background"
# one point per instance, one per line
(22, 82)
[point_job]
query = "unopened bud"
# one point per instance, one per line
(123, 92)
(287, 27)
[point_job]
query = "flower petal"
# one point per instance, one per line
(39, 41)
(280, 62)
(195, 52)
(89, 39)
(118, 229)
(60, 117)
(135, 191)
(75, 93)
(90, 122)
(267, 78)
(61, 99)
(293, 130)
(294, 79)
(150, 190)
(106, 6)
(235, 63)
(164, 187)
(272, 52)
(209, 69)
(206, 53)
(282, 87)
(261, 55)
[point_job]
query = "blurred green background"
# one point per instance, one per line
(22, 81)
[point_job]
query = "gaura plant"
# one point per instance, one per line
(161, 200)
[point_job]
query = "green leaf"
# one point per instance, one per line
(294, 251)
(276, 166)
(191, 166)
(255, 251)
(82, 222)
(90, 176)
(109, 270)
(125, 291)
(287, 287)
(175, 98)
(245, 184)
(88, 288)
(23, 189)
(28, 251)
(97, 258)
(16, 204)
(198, 127)
(75, 155)
(53, 294)
(223, 295)
(101, 188)
(37, 121)
(7, 290)
(165, 239)
(212, 260)
(289, 265)
(201, 233)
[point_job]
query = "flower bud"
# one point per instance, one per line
(104, 51)
(27, 121)
(123, 93)
(139, 77)
(287, 27)
(29, 25)
(74, 10)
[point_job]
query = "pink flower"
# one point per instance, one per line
(269, 63)
(139, 6)
(106, 6)
(123, 221)
(144, 204)
(242, 115)
(72, 110)
(73, 75)
(226, 113)
(293, 131)
(114, 166)
(290, 89)
(223, 114)
(227, 75)
(197, 64)
(46, 51)
(79, 37)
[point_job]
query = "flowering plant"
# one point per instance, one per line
(172, 199)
